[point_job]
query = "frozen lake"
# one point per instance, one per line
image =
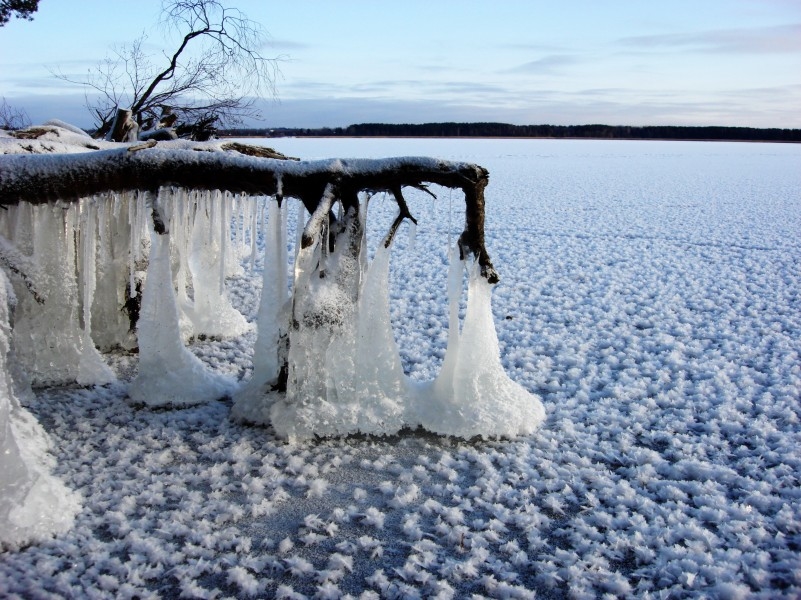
(649, 296)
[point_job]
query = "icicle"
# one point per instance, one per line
(483, 401)
(300, 225)
(91, 367)
(450, 218)
(233, 224)
(433, 396)
(252, 403)
(169, 375)
(111, 327)
(363, 258)
(49, 338)
(224, 233)
(132, 251)
(243, 203)
(365, 365)
(254, 224)
(211, 313)
(362, 386)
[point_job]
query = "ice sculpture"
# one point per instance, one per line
(325, 359)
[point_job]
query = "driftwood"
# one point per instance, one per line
(66, 177)
(124, 128)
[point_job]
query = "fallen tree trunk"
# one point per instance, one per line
(68, 177)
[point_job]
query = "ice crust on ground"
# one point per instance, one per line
(649, 296)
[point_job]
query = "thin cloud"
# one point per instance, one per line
(759, 40)
(547, 64)
(285, 44)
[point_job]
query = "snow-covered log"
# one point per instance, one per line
(149, 166)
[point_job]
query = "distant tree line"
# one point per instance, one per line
(505, 130)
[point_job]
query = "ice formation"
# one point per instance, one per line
(211, 312)
(79, 268)
(169, 374)
(272, 319)
(35, 505)
(95, 263)
(335, 337)
(52, 331)
(344, 368)
(122, 269)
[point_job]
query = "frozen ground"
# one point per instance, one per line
(649, 295)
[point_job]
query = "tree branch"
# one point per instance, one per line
(68, 177)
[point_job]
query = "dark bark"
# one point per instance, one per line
(124, 128)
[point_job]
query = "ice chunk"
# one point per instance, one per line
(33, 504)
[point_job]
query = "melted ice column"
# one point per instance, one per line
(212, 313)
(169, 374)
(50, 341)
(33, 504)
(481, 400)
(369, 385)
(252, 402)
(325, 296)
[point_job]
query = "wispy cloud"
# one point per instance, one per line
(757, 40)
(547, 64)
(285, 45)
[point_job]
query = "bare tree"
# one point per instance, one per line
(13, 118)
(22, 9)
(215, 74)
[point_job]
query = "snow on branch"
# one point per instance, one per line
(68, 177)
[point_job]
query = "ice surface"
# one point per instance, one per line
(648, 295)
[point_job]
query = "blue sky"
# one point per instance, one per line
(675, 62)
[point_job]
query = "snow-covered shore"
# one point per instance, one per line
(649, 295)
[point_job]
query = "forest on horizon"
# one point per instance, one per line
(506, 130)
